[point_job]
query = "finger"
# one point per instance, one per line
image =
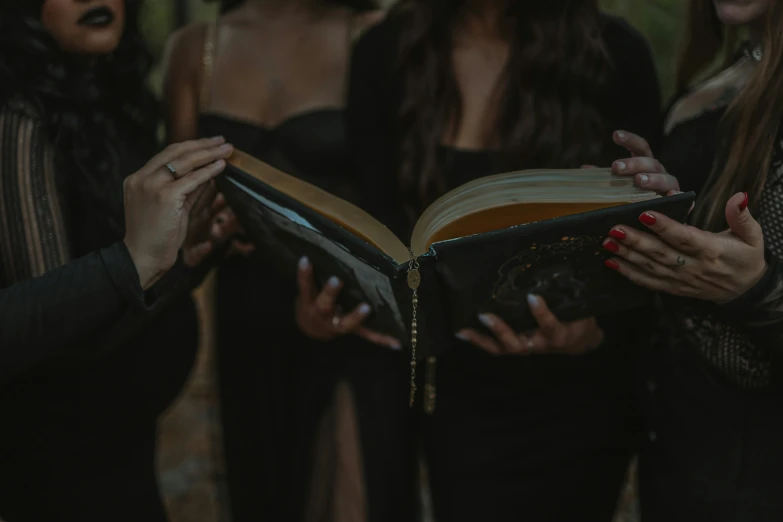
(187, 184)
(537, 342)
(478, 340)
(633, 143)
(201, 198)
(683, 238)
(741, 222)
(649, 281)
(378, 338)
(637, 165)
(508, 338)
(242, 247)
(324, 302)
(588, 167)
(176, 150)
(195, 159)
(350, 322)
(657, 258)
(304, 280)
(658, 183)
(196, 254)
(549, 325)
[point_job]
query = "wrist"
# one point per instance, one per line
(146, 269)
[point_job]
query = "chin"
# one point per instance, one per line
(741, 12)
(97, 43)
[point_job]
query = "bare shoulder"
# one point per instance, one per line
(184, 50)
(365, 21)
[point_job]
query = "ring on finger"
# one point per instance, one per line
(336, 321)
(171, 169)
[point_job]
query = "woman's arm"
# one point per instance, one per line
(182, 71)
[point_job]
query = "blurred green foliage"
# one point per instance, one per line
(660, 21)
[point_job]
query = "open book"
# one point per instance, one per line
(480, 248)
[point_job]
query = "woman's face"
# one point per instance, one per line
(86, 27)
(741, 12)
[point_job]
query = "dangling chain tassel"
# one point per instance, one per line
(429, 387)
(414, 279)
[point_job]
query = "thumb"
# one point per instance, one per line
(741, 223)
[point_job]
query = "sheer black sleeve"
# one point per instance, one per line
(49, 302)
(371, 121)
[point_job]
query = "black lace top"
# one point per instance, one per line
(742, 338)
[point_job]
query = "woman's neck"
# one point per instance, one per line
(484, 19)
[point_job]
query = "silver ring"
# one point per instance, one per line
(680, 261)
(171, 169)
(335, 321)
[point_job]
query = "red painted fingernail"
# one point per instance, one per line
(647, 218)
(611, 246)
(617, 234)
(609, 263)
(744, 203)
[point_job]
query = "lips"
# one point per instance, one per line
(97, 17)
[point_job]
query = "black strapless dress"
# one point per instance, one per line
(275, 383)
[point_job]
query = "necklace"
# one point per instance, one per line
(756, 54)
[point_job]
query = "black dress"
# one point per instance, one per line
(513, 438)
(78, 425)
(710, 385)
(275, 384)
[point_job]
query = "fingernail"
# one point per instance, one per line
(744, 203)
(461, 336)
(611, 246)
(643, 179)
(621, 166)
(532, 301)
(304, 263)
(647, 219)
(220, 163)
(610, 263)
(333, 282)
(621, 135)
(617, 234)
(226, 147)
(486, 320)
(218, 138)
(364, 309)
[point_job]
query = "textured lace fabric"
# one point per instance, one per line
(739, 346)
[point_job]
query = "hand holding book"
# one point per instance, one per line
(647, 172)
(318, 315)
(552, 336)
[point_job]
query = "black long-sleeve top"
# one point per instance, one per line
(87, 359)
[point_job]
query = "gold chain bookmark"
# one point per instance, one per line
(414, 280)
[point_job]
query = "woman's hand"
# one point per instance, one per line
(211, 224)
(647, 172)
(573, 338)
(318, 317)
(683, 260)
(158, 202)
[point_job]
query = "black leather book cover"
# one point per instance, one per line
(284, 231)
(560, 259)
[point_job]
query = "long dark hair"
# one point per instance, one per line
(751, 122)
(356, 5)
(81, 105)
(546, 101)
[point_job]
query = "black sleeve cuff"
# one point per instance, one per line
(124, 276)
